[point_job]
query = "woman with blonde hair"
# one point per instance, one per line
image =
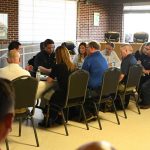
(63, 57)
(141, 53)
(61, 71)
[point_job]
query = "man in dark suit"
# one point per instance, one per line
(45, 59)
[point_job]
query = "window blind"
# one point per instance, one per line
(42, 19)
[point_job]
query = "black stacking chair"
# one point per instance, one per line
(77, 86)
(131, 86)
(112, 36)
(140, 37)
(108, 91)
(25, 88)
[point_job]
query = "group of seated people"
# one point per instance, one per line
(57, 64)
(7, 103)
(7, 115)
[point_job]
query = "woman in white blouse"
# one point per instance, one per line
(82, 53)
(111, 56)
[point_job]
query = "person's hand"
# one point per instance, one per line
(49, 70)
(29, 67)
(49, 80)
(110, 65)
(40, 67)
(139, 62)
(44, 70)
(147, 72)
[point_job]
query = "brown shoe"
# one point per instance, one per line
(144, 106)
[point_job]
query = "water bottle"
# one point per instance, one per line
(38, 74)
(79, 65)
(113, 64)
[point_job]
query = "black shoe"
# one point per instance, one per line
(144, 106)
(59, 120)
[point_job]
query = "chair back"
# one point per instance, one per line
(110, 82)
(134, 76)
(112, 36)
(25, 88)
(77, 86)
(140, 37)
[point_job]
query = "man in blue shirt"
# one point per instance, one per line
(95, 64)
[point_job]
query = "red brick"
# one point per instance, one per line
(11, 8)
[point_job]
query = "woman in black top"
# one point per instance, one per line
(60, 72)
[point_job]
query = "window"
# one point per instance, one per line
(136, 19)
(42, 19)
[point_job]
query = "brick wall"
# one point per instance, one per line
(11, 8)
(111, 18)
(86, 31)
(116, 17)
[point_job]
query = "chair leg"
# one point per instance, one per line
(35, 133)
(47, 116)
(84, 117)
(67, 113)
(80, 114)
(37, 102)
(125, 115)
(136, 101)
(7, 145)
(97, 114)
(64, 122)
(20, 122)
(116, 112)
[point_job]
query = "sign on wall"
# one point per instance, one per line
(3, 26)
(96, 18)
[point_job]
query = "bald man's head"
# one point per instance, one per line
(13, 57)
(126, 49)
(103, 145)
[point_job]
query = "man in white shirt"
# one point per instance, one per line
(111, 56)
(13, 70)
(14, 45)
